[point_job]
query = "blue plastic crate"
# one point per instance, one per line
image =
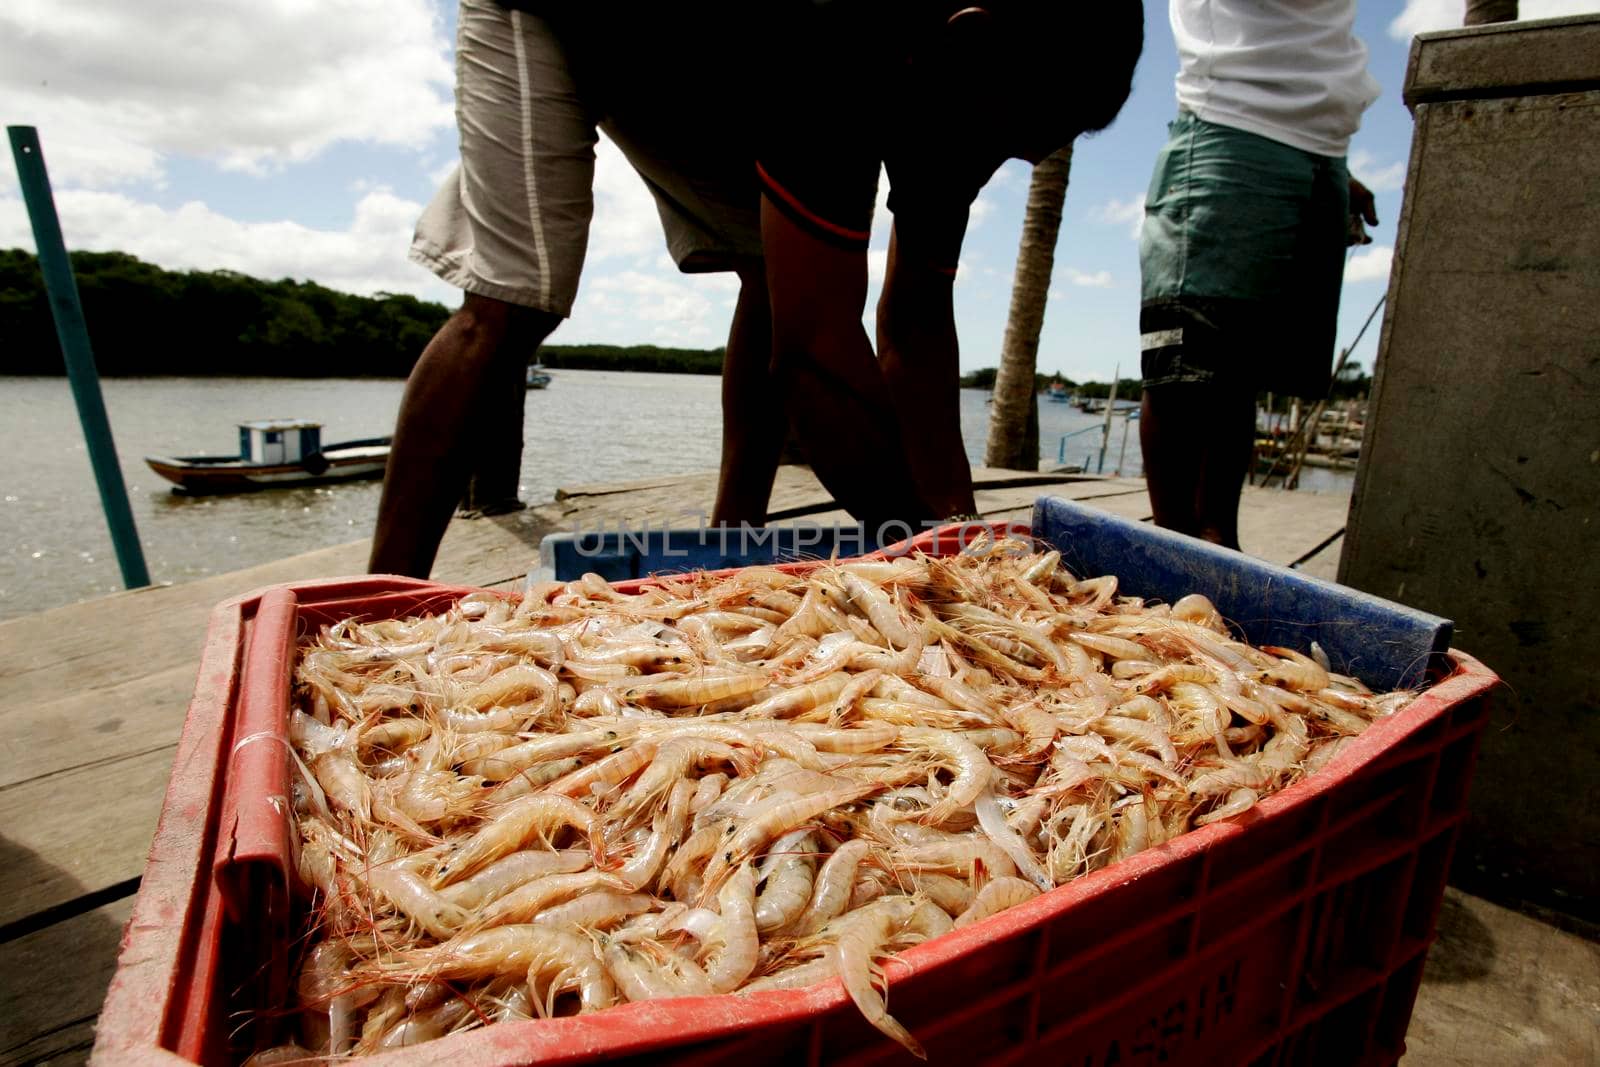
(1386, 645)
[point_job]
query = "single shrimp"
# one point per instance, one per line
(859, 686)
(513, 823)
(1239, 801)
(595, 910)
(1233, 774)
(518, 685)
(1294, 671)
(487, 953)
(965, 760)
(640, 977)
(996, 897)
(831, 889)
(597, 700)
(856, 740)
(666, 830)
(416, 900)
(995, 827)
(469, 721)
(526, 902)
(923, 848)
(507, 762)
(612, 770)
(892, 687)
(787, 888)
(796, 977)
(1195, 608)
(706, 792)
(1037, 726)
(952, 895)
(694, 690)
(1113, 648)
(509, 872)
(343, 783)
(861, 937)
(872, 602)
(1163, 679)
(392, 735)
(1139, 732)
(1128, 669)
(734, 947)
(775, 820)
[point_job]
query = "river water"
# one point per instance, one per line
(589, 426)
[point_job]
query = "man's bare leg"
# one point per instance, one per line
(1197, 441)
(497, 464)
(437, 430)
(754, 415)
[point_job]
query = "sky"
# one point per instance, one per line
(301, 139)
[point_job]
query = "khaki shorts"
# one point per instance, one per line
(512, 220)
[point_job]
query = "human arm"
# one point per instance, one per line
(1363, 208)
(837, 398)
(920, 357)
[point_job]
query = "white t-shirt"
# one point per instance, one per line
(1291, 70)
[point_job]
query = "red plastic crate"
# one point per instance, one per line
(1294, 934)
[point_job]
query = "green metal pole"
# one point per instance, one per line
(62, 289)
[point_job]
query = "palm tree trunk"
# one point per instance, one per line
(1480, 12)
(1014, 417)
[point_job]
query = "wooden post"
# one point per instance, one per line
(62, 289)
(1477, 494)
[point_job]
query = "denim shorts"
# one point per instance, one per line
(1241, 259)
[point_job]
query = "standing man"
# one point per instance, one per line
(821, 96)
(510, 228)
(938, 95)
(1247, 218)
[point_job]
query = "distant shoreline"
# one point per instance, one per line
(145, 321)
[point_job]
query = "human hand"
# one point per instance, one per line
(1363, 209)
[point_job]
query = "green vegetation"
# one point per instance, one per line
(633, 357)
(983, 378)
(144, 320)
(1127, 389)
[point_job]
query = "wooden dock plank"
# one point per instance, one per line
(80, 729)
(78, 832)
(53, 983)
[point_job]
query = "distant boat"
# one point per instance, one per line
(1057, 393)
(274, 453)
(537, 378)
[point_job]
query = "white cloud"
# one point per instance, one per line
(678, 309)
(625, 220)
(249, 85)
(366, 257)
(1423, 16)
(1374, 175)
(1128, 213)
(1369, 265)
(877, 265)
(1100, 279)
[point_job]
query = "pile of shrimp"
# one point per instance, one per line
(524, 809)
